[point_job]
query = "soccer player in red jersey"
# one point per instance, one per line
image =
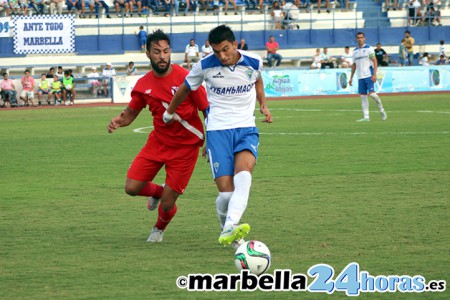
(175, 147)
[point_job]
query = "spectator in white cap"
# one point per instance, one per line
(108, 73)
(94, 82)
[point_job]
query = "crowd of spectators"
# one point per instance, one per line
(283, 9)
(56, 87)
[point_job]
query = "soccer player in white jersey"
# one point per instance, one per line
(365, 62)
(233, 84)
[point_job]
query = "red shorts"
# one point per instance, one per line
(179, 164)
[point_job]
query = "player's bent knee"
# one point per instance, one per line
(132, 190)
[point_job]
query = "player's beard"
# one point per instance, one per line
(159, 70)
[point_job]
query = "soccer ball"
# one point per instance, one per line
(68, 87)
(253, 256)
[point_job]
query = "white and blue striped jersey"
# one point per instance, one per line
(362, 57)
(230, 89)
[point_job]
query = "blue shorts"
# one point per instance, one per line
(366, 86)
(222, 145)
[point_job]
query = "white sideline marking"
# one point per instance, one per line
(356, 133)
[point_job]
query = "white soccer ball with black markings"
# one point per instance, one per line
(253, 256)
(68, 87)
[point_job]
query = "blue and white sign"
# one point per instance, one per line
(291, 83)
(44, 34)
(5, 27)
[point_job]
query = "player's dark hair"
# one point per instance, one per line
(221, 33)
(5, 74)
(66, 72)
(407, 31)
(360, 33)
(155, 37)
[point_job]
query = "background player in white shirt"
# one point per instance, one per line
(233, 84)
(365, 63)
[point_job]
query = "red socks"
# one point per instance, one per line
(164, 217)
(151, 190)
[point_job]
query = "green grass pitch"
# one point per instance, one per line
(325, 190)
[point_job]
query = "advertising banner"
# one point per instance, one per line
(44, 34)
(5, 27)
(291, 83)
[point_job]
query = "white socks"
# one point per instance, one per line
(377, 100)
(365, 106)
(239, 199)
(222, 206)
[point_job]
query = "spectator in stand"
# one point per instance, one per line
(74, 4)
(402, 53)
(28, 84)
(167, 7)
(242, 45)
(60, 72)
(94, 81)
(272, 48)
(205, 5)
(234, 6)
(51, 73)
(104, 5)
(206, 49)
(441, 61)
(317, 58)
(68, 88)
(38, 6)
(347, 58)
(8, 90)
(343, 4)
(142, 36)
(327, 60)
(56, 4)
(177, 4)
(414, 14)
(327, 5)
(131, 70)
(409, 46)
(107, 74)
(432, 15)
(216, 7)
(119, 5)
(424, 60)
(191, 53)
(90, 4)
(44, 89)
(291, 14)
(250, 2)
(154, 6)
(442, 48)
(382, 56)
(4, 5)
(56, 89)
(132, 3)
(277, 14)
(392, 4)
(15, 6)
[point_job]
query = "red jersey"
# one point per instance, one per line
(153, 91)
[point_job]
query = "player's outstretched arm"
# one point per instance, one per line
(124, 119)
(261, 97)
